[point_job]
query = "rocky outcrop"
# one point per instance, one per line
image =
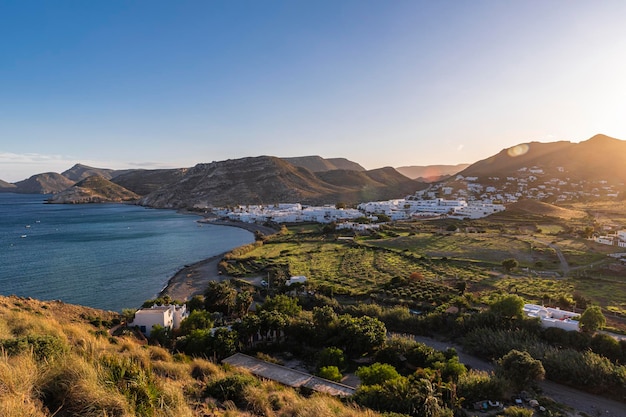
(94, 189)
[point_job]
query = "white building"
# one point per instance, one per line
(553, 317)
(300, 279)
(168, 316)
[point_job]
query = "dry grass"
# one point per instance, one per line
(94, 376)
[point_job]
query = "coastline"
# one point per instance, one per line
(193, 279)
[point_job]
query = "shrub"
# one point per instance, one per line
(232, 388)
(330, 372)
(377, 373)
(44, 346)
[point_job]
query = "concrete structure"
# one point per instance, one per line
(553, 317)
(289, 377)
(168, 316)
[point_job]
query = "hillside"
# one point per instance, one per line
(256, 180)
(600, 157)
(534, 207)
(6, 187)
(144, 182)
(64, 360)
(269, 180)
(47, 183)
(319, 164)
(430, 173)
(80, 172)
(94, 189)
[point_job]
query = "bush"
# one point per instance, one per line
(44, 346)
(330, 372)
(232, 388)
(377, 374)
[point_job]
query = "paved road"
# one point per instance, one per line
(580, 401)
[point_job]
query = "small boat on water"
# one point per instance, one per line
(23, 236)
(28, 226)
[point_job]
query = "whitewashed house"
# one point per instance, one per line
(553, 317)
(168, 316)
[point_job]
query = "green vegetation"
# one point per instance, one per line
(441, 277)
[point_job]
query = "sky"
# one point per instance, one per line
(153, 84)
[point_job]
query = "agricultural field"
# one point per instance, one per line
(423, 264)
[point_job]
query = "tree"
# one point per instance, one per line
(197, 319)
(331, 356)
(520, 368)
(361, 334)
(510, 306)
(220, 297)
(282, 304)
(161, 335)
(510, 264)
(196, 303)
(243, 300)
(592, 319)
(377, 373)
(128, 315)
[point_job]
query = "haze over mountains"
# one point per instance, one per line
(315, 180)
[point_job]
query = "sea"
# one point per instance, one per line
(106, 256)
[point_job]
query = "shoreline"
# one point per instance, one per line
(192, 280)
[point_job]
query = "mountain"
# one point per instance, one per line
(46, 183)
(144, 182)
(94, 189)
(254, 180)
(80, 172)
(378, 184)
(269, 180)
(6, 187)
(598, 158)
(319, 164)
(431, 173)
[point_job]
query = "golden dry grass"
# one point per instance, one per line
(91, 375)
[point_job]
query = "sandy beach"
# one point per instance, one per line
(193, 279)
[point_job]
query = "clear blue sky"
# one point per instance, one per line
(384, 83)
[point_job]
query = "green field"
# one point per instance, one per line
(422, 264)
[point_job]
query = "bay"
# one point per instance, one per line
(107, 256)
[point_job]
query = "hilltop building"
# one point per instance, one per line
(168, 316)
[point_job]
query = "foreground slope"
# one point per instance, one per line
(63, 360)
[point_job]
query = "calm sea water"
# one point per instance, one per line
(108, 256)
